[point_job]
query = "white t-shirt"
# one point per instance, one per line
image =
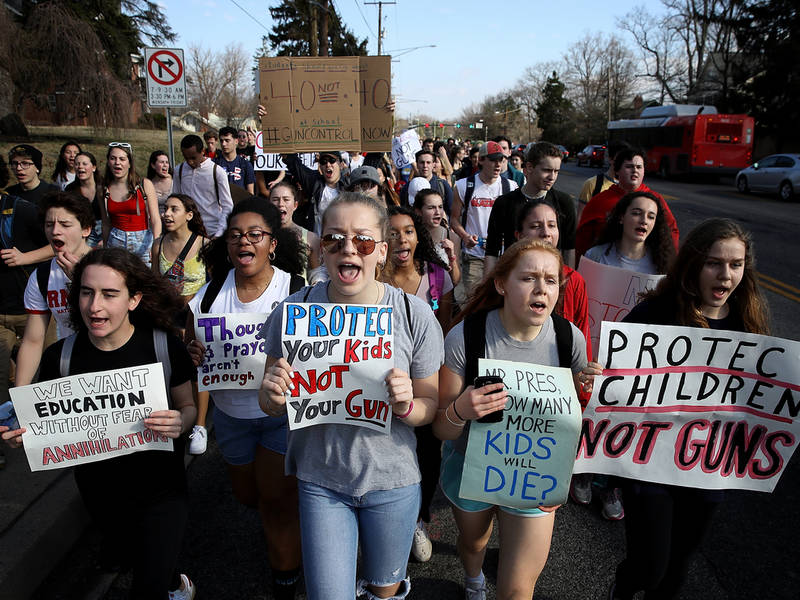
(56, 302)
(63, 182)
(329, 194)
(242, 404)
(480, 207)
(607, 254)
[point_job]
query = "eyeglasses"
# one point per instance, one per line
(254, 236)
(334, 242)
(327, 160)
(120, 145)
(24, 164)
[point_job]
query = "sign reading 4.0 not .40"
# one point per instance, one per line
(166, 76)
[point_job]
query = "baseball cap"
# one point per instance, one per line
(335, 154)
(491, 150)
(365, 173)
(29, 151)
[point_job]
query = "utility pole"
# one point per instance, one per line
(314, 41)
(323, 30)
(380, 4)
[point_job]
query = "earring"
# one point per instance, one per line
(271, 256)
(228, 258)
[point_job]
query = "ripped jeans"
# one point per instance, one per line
(333, 524)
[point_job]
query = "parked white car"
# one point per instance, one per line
(776, 173)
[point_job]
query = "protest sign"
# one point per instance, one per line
(525, 460)
(404, 148)
(90, 417)
(612, 293)
(332, 103)
(340, 355)
(271, 161)
(693, 407)
(234, 357)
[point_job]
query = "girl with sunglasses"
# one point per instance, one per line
(516, 300)
(250, 269)
(711, 284)
(130, 206)
(357, 486)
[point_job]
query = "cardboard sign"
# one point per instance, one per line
(693, 407)
(271, 161)
(526, 460)
(340, 355)
(317, 104)
(234, 358)
(405, 147)
(91, 417)
(612, 293)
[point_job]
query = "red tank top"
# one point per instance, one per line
(130, 214)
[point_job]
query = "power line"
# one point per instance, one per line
(358, 6)
(251, 16)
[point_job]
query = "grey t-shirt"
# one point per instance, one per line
(607, 254)
(354, 460)
(542, 350)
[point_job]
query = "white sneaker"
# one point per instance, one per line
(198, 440)
(421, 547)
(475, 594)
(186, 591)
(612, 505)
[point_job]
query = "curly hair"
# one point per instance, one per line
(659, 242)
(72, 202)
(486, 297)
(679, 289)
(159, 301)
(291, 254)
(425, 252)
(195, 224)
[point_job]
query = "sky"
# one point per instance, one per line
(481, 47)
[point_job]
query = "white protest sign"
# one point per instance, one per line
(694, 407)
(234, 358)
(340, 355)
(270, 161)
(525, 460)
(612, 293)
(90, 417)
(404, 147)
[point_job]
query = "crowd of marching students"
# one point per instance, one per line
(124, 263)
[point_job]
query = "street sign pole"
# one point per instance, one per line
(169, 137)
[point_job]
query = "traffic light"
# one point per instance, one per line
(427, 125)
(441, 124)
(458, 125)
(472, 125)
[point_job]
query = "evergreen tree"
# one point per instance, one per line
(555, 113)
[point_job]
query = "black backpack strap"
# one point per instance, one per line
(408, 317)
(505, 185)
(296, 283)
(563, 330)
(216, 187)
(214, 286)
(598, 184)
(43, 277)
(467, 197)
(308, 291)
(162, 355)
(474, 344)
(66, 355)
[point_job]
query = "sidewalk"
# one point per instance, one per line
(41, 517)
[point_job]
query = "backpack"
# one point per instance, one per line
(159, 343)
(7, 222)
(296, 283)
(598, 184)
(43, 278)
(475, 342)
(506, 187)
(435, 284)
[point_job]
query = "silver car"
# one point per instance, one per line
(776, 173)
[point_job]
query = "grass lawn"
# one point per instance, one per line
(49, 140)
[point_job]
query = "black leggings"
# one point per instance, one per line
(664, 525)
(145, 533)
(429, 457)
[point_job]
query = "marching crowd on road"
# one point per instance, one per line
(476, 252)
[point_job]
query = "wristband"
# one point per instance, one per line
(455, 410)
(408, 412)
(453, 423)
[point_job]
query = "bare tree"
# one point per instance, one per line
(219, 82)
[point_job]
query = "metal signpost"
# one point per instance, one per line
(166, 84)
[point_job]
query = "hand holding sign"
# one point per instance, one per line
(276, 384)
(13, 437)
(475, 403)
(401, 391)
(167, 422)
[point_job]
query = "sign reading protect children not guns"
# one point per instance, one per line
(694, 407)
(90, 417)
(340, 355)
(317, 104)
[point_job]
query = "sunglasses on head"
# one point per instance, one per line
(120, 145)
(334, 242)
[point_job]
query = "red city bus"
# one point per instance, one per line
(688, 139)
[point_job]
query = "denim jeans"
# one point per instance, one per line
(135, 242)
(332, 525)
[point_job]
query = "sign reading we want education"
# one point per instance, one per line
(90, 417)
(693, 407)
(336, 103)
(340, 355)
(525, 460)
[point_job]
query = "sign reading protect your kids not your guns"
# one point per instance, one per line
(525, 460)
(340, 355)
(693, 407)
(234, 358)
(90, 417)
